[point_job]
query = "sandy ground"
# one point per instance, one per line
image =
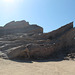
(8, 67)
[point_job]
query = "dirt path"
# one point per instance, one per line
(8, 67)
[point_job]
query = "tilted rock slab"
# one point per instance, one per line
(33, 43)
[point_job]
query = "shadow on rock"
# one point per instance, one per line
(31, 60)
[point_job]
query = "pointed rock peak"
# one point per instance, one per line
(71, 23)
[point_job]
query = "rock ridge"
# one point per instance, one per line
(29, 41)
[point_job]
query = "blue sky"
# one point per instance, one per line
(49, 14)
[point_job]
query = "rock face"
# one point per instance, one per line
(21, 40)
(20, 27)
(59, 32)
(17, 24)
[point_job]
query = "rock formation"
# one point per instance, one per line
(22, 40)
(20, 27)
(17, 24)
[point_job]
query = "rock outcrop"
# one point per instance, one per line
(17, 24)
(21, 40)
(20, 27)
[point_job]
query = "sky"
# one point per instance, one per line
(49, 14)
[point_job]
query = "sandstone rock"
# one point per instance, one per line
(57, 33)
(20, 27)
(17, 24)
(15, 51)
(29, 41)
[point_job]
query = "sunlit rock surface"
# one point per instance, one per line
(22, 40)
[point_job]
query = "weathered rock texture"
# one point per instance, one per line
(20, 27)
(21, 40)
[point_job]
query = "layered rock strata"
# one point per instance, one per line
(19, 39)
